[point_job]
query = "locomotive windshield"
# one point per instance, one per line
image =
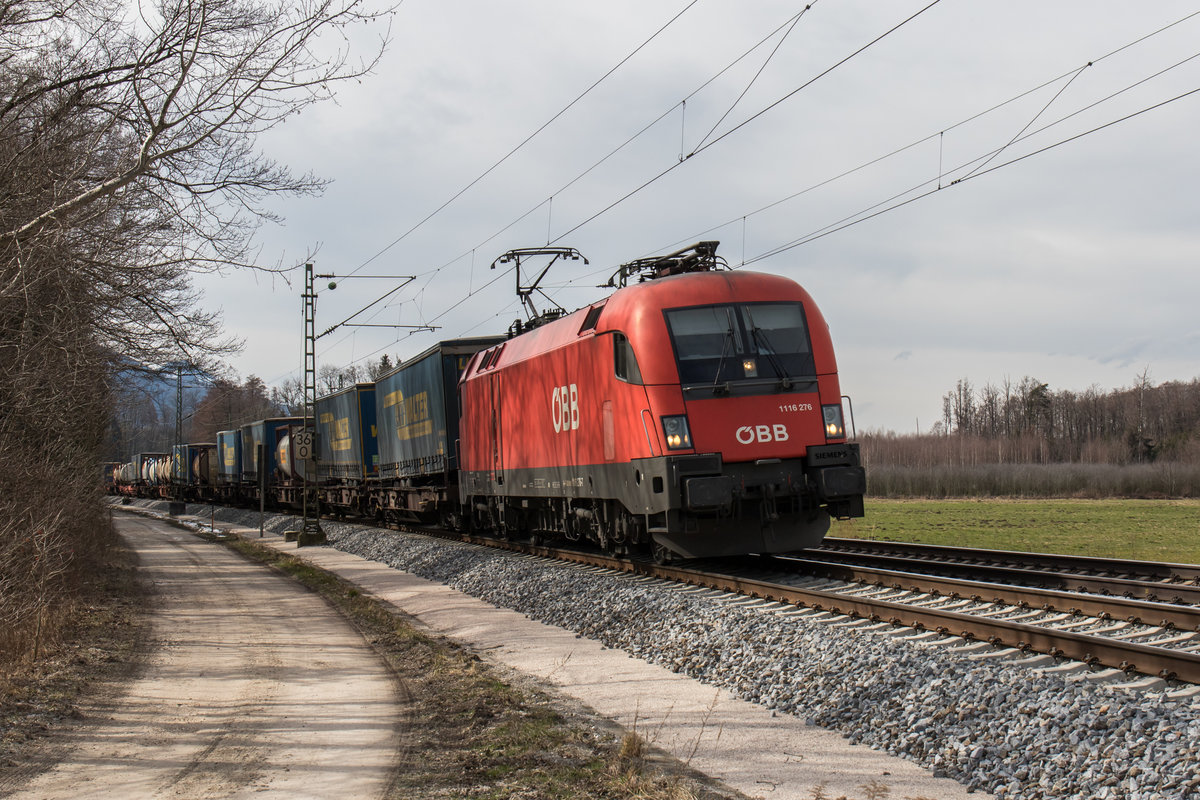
(732, 345)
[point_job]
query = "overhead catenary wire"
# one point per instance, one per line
(855, 219)
(1021, 132)
(978, 171)
(789, 23)
(794, 22)
(702, 147)
(744, 123)
(965, 121)
(528, 138)
(509, 154)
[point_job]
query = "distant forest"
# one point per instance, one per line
(1026, 439)
(143, 419)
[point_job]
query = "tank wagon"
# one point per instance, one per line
(261, 442)
(194, 471)
(693, 412)
(147, 475)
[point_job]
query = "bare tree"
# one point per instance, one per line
(289, 396)
(228, 405)
(128, 162)
(142, 131)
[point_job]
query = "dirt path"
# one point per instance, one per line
(256, 688)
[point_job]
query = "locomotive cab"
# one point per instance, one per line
(758, 460)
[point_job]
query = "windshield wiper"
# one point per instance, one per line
(769, 351)
(718, 387)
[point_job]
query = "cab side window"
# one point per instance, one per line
(624, 360)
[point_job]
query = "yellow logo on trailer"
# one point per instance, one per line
(411, 414)
(340, 440)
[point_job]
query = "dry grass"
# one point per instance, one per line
(1151, 530)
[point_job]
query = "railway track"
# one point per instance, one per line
(1149, 580)
(1126, 635)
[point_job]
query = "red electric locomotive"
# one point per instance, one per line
(696, 411)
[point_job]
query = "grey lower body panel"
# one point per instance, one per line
(693, 505)
(700, 537)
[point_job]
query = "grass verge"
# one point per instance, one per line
(474, 732)
(1148, 530)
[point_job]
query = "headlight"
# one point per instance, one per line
(678, 436)
(834, 427)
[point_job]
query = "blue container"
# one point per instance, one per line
(416, 410)
(229, 461)
(346, 434)
(181, 465)
(264, 433)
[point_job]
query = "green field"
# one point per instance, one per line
(1149, 530)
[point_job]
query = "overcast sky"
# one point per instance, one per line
(1076, 265)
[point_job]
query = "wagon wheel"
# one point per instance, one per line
(663, 555)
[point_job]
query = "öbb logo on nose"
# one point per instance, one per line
(748, 434)
(564, 408)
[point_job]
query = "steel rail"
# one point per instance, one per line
(1124, 655)
(1143, 612)
(1091, 564)
(1181, 595)
(1092, 650)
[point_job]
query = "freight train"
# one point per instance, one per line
(694, 412)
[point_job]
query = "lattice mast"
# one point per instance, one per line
(310, 532)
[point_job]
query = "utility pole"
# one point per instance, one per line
(306, 449)
(179, 403)
(177, 506)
